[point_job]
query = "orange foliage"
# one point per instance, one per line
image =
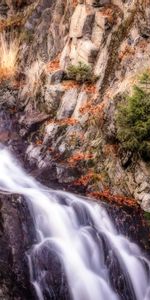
(142, 44)
(78, 135)
(38, 142)
(70, 84)
(90, 88)
(17, 84)
(13, 110)
(85, 179)
(66, 121)
(78, 156)
(118, 199)
(53, 65)
(109, 13)
(126, 52)
(110, 149)
(74, 3)
(91, 108)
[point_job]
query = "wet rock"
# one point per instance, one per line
(66, 174)
(46, 261)
(34, 154)
(15, 240)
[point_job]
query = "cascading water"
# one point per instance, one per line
(83, 237)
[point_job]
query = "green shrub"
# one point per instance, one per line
(147, 216)
(133, 121)
(145, 80)
(81, 73)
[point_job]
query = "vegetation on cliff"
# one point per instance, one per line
(8, 57)
(81, 73)
(133, 119)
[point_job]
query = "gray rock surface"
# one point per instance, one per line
(16, 237)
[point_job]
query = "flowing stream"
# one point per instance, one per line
(83, 237)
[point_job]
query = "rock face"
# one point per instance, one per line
(78, 135)
(16, 237)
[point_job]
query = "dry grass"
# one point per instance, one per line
(8, 57)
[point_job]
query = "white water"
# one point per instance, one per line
(74, 228)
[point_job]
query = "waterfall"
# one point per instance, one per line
(82, 235)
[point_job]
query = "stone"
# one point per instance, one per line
(87, 51)
(65, 55)
(102, 20)
(146, 203)
(31, 121)
(68, 104)
(145, 186)
(81, 19)
(65, 174)
(97, 35)
(139, 177)
(9, 99)
(88, 26)
(35, 155)
(17, 235)
(99, 69)
(52, 97)
(50, 133)
(81, 101)
(46, 15)
(56, 77)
